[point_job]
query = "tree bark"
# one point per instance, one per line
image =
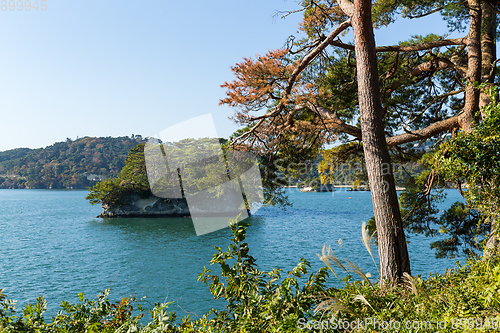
(393, 253)
(488, 50)
(488, 56)
(471, 107)
(493, 243)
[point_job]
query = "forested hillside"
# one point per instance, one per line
(70, 164)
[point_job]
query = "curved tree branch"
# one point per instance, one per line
(335, 121)
(424, 133)
(425, 14)
(291, 80)
(408, 48)
(433, 65)
(311, 55)
(410, 136)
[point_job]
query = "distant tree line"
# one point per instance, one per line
(69, 164)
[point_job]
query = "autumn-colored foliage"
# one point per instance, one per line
(67, 164)
(258, 82)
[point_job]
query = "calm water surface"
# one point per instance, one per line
(52, 245)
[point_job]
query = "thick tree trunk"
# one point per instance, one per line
(393, 254)
(493, 242)
(471, 107)
(488, 56)
(488, 50)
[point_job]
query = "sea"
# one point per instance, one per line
(52, 244)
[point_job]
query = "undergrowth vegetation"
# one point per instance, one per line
(466, 298)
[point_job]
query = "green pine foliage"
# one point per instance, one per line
(473, 160)
(131, 179)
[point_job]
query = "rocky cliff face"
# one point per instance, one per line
(150, 207)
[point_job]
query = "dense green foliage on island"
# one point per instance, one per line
(131, 179)
(69, 164)
(198, 173)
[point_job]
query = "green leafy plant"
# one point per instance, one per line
(259, 301)
(465, 298)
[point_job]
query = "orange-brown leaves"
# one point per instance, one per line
(258, 82)
(321, 15)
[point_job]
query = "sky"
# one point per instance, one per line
(119, 67)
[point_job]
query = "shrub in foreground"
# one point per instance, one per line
(466, 298)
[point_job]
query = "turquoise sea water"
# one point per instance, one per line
(52, 245)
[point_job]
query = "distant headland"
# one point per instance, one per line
(71, 164)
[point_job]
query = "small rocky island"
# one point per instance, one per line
(129, 195)
(135, 206)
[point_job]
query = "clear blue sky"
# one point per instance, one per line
(114, 68)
